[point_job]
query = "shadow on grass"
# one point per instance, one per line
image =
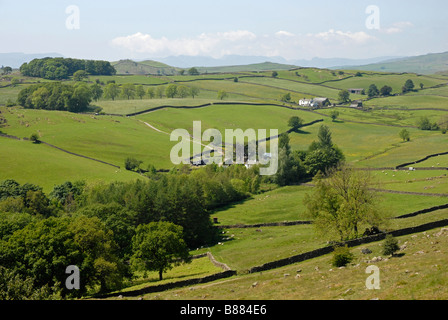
(299, 131)
(148, 282)
(398, 255)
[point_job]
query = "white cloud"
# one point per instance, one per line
(244, 42)
(343, 37)
(282, 33)
(214, 45)
(397, 27)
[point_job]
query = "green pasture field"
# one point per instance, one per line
(396, 81)
(223, 117)
(42, 165)
(124, 106)
(282, 204)
(367, 139)
(308, 75)
(440, 91)
(359, 141)
(431, 181)
(200, 267)
(286, 204)
(260, 67)
(400, 153)
(439, 161)
(304, 89)
(134, 79)
(10, 93)
(393, 117)
(110, 139)
(245, 89)
(201, 77)
(248, 247)
(419, 273)
(410, 102)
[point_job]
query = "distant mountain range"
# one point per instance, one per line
(16, 59)
(236, 60)
(431, 63)
(425, 64)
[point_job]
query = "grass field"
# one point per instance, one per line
(396, 81)
(304, 89)
(413, 150)
(418, 274)
(286, 204)
(222, 117)
(308, 75)
(245, 89)
(367, 139)
(47, 167)
(197, 268)
(410, 102)
(387, 117)
(114, 138)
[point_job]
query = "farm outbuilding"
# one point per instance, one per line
(356, 90)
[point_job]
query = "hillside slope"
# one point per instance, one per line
(426, 64)
(144, 67)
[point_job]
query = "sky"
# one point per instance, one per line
(292, 29)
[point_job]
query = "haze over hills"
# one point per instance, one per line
(16, 59)
(231, 63)
(234, 60)
(425, 64)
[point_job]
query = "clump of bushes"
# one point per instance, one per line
(390, 245)
(341, 257)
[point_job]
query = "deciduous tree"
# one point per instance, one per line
(112, 91)
(342, 203)
(158, 246)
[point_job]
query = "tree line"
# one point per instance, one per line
(130, 91)
(373, 91)
(111, 230)
(302, 165)
(107, 229)
(56, 96)
(63, 68)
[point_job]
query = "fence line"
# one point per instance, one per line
(351, 243)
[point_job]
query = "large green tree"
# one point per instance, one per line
(97, 91)
(140, 91)
(408, 86)
(295, 123)
(342, 203)
(112, 91)
(42, 250)
(322, 154)
(128, 90)
(373, 91)
(158, 246)
(171, 91)
(344, 96)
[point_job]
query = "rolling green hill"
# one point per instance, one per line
(144, 67)
(158, 68)
(266, 66)
(425, 64)
(369, 139)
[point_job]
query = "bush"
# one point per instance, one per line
(390, 245)
(34, 138)
(132, 164)
(341, 257)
